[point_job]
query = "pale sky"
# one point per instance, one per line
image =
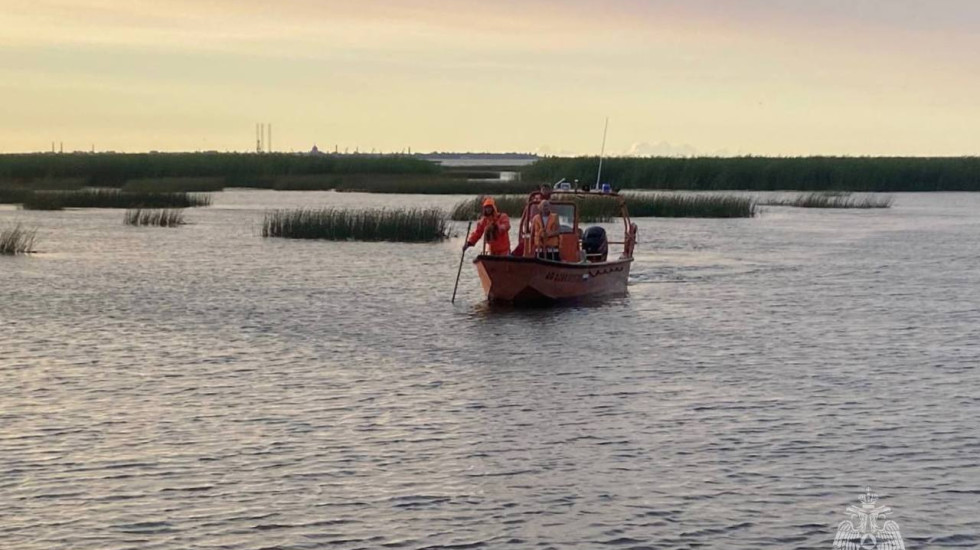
(776, 77)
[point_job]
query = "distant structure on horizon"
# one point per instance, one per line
(443, 158)
(263, 137)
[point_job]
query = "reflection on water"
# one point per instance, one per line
(205, 388)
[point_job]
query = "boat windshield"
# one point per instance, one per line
(566, 216)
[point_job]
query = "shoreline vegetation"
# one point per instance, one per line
(646, 205)
(166, 217)
(107, 198)
(830, 200)
(410, 225)
(116, 169)
(17, 240)
(210, 172)
(857, 174)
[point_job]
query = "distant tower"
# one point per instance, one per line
(268, 145)
(258, 139)
(61, 147)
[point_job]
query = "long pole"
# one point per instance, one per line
(460, 270)
(598, 176)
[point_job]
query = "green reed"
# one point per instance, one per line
(13, 194)
(174, 185)
(111, 198)
(115, 169)
(411, 184)
(639, 205)
(830, 200)
(397, 225)
(860, 174)
(165, 217)
(17, 240)
(430, 185)
(689, 205)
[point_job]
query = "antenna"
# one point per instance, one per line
(268, 145)
(602, 154)
(258, 139)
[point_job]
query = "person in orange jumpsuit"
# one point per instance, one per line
(545, 231)
(495, 226)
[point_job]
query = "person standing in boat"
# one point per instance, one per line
(495, 227)
(545, 232)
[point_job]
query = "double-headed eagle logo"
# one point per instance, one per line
(868, 535)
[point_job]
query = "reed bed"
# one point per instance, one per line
(412, 184)
(111, 198)
(45, 183)
(17, 240)
(165, 217)
(115, 169)
(13, 194)
(430, 185)
(312, 182)
(174, 185)
(690, 205)
(645, 205)
(857, 174)
(830, 200)
(396, 225)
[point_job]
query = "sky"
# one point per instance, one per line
(681, 77)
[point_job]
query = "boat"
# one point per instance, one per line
(582, 270)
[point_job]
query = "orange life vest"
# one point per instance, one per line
(542, 235)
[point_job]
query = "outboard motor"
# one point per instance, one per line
(595, 244)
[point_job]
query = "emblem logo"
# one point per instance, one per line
(868, 535)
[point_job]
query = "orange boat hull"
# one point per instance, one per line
(515, 279)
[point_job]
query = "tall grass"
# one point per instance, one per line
(17, 240)
(13, 194)
(401, 225)
(310, 182)
(832, 200)
(111, 198)
(45, 183)
(430, 185)
(174, 185)
(863, 174)
(690, 205)
(167, 217)
(415, 184)
(115, 169)
(645, 205)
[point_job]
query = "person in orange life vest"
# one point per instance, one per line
(545, 231)
(495, 226)
(526, 242)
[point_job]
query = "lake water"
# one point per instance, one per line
(202, 387)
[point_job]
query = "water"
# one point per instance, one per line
(204, 388)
